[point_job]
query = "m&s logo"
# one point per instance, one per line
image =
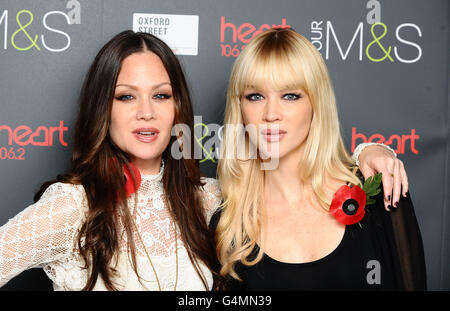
(241, 35)
(22, 39)
(376, 50)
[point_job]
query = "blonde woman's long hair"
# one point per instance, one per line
(282, 59)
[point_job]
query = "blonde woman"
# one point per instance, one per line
(276, 230)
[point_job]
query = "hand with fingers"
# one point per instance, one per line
(375, 159)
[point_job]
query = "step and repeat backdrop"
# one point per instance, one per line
(389, 62)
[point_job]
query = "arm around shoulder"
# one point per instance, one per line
(212, 197)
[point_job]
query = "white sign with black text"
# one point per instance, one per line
(180, 32)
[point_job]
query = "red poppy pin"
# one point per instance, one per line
(348, 205)
(129, 185)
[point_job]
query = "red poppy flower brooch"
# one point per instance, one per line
(129, 184)
(348, 205)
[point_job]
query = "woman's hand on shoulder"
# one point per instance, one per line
(377, 159)
(212, 196)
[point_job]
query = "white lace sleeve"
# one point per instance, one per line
(42, 233)
(362, 146)
(212, 197)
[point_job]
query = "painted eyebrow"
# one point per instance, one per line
(135, 88)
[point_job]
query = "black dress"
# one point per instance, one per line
(384, 253)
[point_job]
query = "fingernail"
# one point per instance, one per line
(396, 204)
(388, 198)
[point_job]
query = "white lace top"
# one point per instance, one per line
(45, 235)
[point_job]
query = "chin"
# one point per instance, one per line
(271, 155)
(146, 156)
(272, 151)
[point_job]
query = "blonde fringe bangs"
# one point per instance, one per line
(269, 65)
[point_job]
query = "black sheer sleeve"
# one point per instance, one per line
(408, 241)
(399, 240)
(404, 240)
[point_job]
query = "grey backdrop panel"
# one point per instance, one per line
(405, 99)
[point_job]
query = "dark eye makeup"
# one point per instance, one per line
(159, 96)
(124, 97)
(292, 96)
(162, 96)
(286, 96)
(254, 97)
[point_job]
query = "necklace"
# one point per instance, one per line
(149, 259)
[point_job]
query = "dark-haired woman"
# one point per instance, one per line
(87, 230)
(128, 215)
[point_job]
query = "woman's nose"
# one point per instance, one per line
(145, 110)
(272, 110)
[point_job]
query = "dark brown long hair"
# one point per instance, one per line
(102, 179)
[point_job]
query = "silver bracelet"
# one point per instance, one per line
(361, 147)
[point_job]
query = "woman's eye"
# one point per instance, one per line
(291, 96)
(254, 97)
(162, 96)
(124, 97)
